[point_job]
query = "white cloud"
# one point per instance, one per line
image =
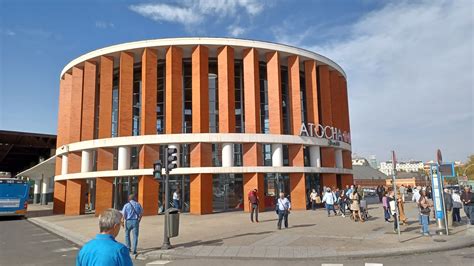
(410, 69)
(163, 12)
(104, 25)
(191, 13)
(235, 31)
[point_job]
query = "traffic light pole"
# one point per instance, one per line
(166, 239)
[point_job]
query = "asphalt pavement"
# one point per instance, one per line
(23, 243)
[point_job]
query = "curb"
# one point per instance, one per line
(61, 231)
(465, 242)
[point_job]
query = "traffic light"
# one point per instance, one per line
(157, 170)
(172, 159)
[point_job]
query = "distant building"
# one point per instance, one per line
(360, 161)
(373, 162)
(410, 166)
(411, 179)
(367, 176)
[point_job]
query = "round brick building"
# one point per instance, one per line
(244, 114)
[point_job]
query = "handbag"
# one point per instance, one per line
(426, 210)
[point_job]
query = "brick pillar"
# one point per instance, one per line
(328, 157)
(252, 152)
(346, 155)
(89, 101)
(148, 187)
(312, 112)
(274, 93)
(105, 156)
(74, 162)
(174, 90)
(125, 115)
(201, 195)
(59, 201)
(226, 89)
(75, 197)
(295, 152)
(104, 194)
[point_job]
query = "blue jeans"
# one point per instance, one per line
(342, 207)
(282, 215)
(176, 204)
(132, 225)
(424, 223)
(330, 207)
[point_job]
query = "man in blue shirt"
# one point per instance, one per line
(104, 250)
(132, 214)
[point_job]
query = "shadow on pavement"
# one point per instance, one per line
(39, 213)
(302, 225)
(10, 218)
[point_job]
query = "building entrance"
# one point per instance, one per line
(176, 182)
(227, 192)
(123, 187)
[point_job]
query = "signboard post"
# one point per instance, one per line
(438, 194)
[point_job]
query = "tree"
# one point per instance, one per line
(467, 168)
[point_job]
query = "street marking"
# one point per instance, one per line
(51, 240)
(65, 249)
(159, 262)
(373, 264)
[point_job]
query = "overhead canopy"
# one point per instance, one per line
(21, 150)
(44, 169)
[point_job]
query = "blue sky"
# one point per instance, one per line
(409, 63)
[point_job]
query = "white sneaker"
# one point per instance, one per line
(343, 215)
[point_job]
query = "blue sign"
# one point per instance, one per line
(436, 184)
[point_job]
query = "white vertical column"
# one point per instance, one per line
(338, 154)
(44, 190)
(123, 158)
(315, 156)
(36, 192)
(227, 154)
(64, 164)
(86, 161)
(277, 155)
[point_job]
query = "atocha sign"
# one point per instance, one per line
(327, 132)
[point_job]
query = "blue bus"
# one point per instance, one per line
(13, 197)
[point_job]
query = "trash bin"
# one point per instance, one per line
(172, 218)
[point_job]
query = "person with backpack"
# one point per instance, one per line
(283, 207)
(132, 214)
(329, 199)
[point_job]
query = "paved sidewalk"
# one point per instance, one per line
(311, 234)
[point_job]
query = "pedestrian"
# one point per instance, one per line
(177, 199)
(342, 203)
(401, 209)
(329, 199)
(379, 193)
(132, 214)
(253, 203)
(467, 200)
(416, 194)
(314, 198)
(457, 205)
(393, 212)
(448, 207)
(361, 192)
(386, 208)
(355, 205)
(403, 190)
(425, 204)
(283, 208)
(104, 249)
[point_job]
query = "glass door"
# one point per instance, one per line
(123, 187)
(227, 192)
(176, 182)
